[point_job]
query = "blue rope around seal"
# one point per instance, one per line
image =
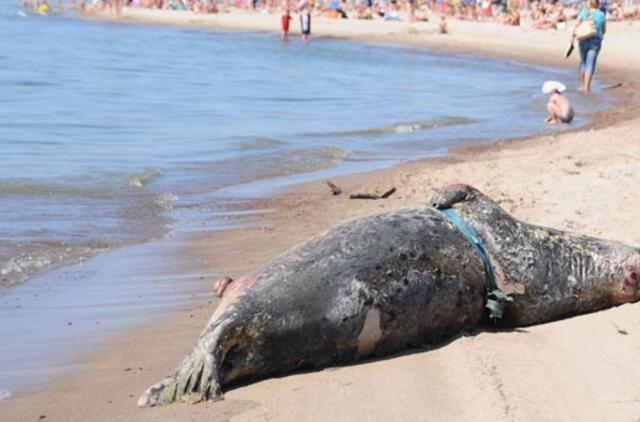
(495, 297)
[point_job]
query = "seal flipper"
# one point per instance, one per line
(452, 194)
(193, 379)
(196, 377)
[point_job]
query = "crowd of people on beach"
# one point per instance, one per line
(538, 14)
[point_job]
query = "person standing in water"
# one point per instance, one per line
(284, 20)
(305, 18)
(590, 47)
(559, 107)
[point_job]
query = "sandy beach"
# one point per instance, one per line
(583, 368)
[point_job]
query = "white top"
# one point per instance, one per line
(551, 86)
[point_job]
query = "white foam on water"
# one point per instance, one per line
(140, 180)
(4, 394)
(402, 128)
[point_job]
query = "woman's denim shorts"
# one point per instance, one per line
(589, 50)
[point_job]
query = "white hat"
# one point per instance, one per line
(552, 86)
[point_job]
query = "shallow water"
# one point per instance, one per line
(48, 323)
(114, 134)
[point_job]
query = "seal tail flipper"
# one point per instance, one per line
(197, 377)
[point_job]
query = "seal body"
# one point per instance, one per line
(383, 283)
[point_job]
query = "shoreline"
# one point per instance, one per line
(539, 177)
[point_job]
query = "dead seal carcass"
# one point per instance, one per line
(397, 280)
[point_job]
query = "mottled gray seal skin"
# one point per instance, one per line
(380, 284)
(549, 273)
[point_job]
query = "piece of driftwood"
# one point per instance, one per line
(372, 195)
(613, 86)
(335, 189)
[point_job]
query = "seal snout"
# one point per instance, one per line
(631, 283)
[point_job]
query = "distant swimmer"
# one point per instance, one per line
(559, 107)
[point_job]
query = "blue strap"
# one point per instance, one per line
(495, 296)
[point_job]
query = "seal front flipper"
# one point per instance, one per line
(452, 194)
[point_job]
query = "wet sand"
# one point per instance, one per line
(583, 368)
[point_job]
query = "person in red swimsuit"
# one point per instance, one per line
(284, 20)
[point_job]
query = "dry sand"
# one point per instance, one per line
(583, 368)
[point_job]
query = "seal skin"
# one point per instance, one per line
(383, 283)
(549, 273)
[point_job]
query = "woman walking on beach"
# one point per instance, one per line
(590, 47)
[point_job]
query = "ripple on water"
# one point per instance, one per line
(141, 179)
(24, 259)
(397, 128)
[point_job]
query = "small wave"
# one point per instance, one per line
(29, 188)
(302, 161)
(140, 180)
(291, 162)
(299, 99)
(4, 394)
(37, 84)
(101, 189)
(398, 128)
(165, 201)
(31, 257)
(271, 99)
(331, 153)
(251, 143)
(271, 165)
(21, 14)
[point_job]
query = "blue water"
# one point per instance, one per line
(116, 134)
